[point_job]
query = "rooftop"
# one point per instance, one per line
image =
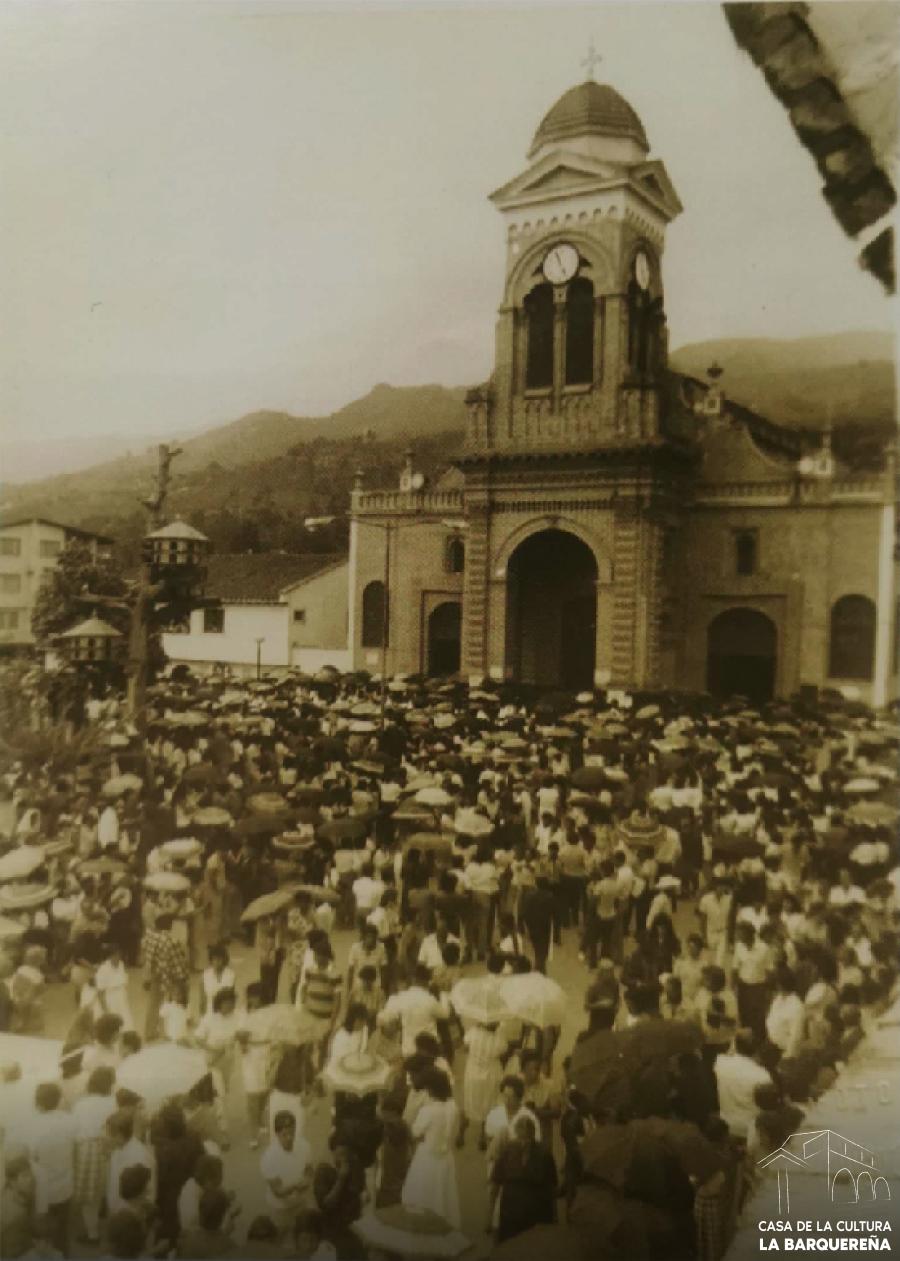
(57, 525)
(260, 577)
(590, 109)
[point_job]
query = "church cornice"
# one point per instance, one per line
(650, 453)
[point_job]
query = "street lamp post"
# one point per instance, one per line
(259, 643)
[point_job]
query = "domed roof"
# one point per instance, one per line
(591, 109)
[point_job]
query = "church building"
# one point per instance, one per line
(607, 521)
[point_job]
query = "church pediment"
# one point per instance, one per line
(556, 175)
(653, 179)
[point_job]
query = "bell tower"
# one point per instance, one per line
(572, 483)
(581, 334)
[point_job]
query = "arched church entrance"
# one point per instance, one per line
(551, 616)
(444, 636)
(742, 650)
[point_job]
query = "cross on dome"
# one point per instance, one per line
(592, 61)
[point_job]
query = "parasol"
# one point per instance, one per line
(409, 1232)
(477, 998)
(190, 718)
(471, 823)
(202, 773)
(24, 897)
(589, 778)
(861, 786)
(872, 814)
(533, 997)
(120, 784)
(182, 848)
(268, 904)
(318, 893)
(349, 829)
(362, 726)
(262, 824)
(102, 867)
(359, 1073)
(631, 1066)
(266, 803)
(429, 842)
(20, 863)
(158, 1072)
(640, 830)
(211, 817)
(280, 1022)
(167, 882)
(540, 1243)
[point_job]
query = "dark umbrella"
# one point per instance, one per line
(589, 778)
(349, 829)
(540, 1243)
(263, 825)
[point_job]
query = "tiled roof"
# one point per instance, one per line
(259, 578)
(57, 525)
(587, 110)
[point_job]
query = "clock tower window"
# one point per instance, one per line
(580, 332)
(539, 356)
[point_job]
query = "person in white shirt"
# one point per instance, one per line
(845, 892)
(500, 1122)
(108, 828)
(417, 1010)
(52, 1150)
(367, 890)
(126, 1151)
(285, 1167)
(218, 976)
(737, 1076)
(786, 1018)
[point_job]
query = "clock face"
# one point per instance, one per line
(561, 264)
(642, 269)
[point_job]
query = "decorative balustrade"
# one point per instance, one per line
(420, 501)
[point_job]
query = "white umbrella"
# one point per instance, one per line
(18, 864)
(433, 797)
(534, 998)
(158, 1072)
(478, 998)
(358, 1073)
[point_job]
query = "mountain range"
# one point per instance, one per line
(251, 483)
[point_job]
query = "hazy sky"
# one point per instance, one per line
(209, 208)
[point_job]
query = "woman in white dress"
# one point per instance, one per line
(431, 1180)
(111, 984)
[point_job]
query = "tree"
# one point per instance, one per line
(64, 596)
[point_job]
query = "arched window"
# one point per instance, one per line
(455, 555)
(374, 616)
(539, 361)
(852, 654)
(580, 332)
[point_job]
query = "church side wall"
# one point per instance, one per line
(808, 557)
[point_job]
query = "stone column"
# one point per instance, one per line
(475, 590)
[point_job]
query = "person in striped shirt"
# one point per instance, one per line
(319, 993)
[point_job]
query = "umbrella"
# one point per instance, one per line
(268, 904)
(429, 842)
(102, 867)
(121, 784)
(477, 998)
(280, 1022)
(631, 1065)
(471, 823)
(266, 803)
(202, 773)
(24, 897)
(409, 1232)
(872, 814)
(533, 997)
(638, 830)
(613, 1153)
(20, 863)
(590, 778)
(158, 1072)
(211, 817)
(540, 1243)
(362, 726)
(861, 785)
(349, 829)
(167, 882)
(182, 848)
(262, 824)
(318, 893)
(358, 1073)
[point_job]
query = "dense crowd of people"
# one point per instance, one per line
(309, 944)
